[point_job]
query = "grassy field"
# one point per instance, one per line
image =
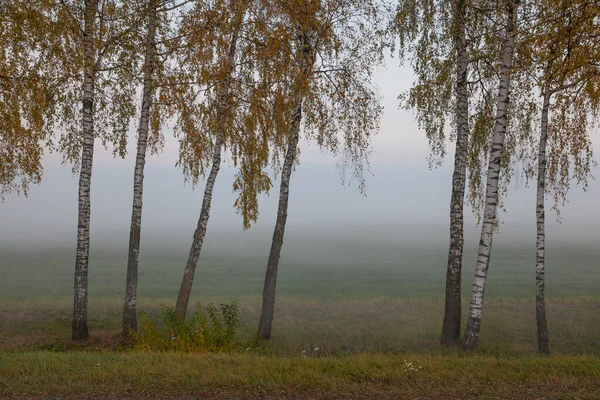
(315, 269)
(366, 306)
(247, 376)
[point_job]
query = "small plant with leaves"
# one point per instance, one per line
(210, 329)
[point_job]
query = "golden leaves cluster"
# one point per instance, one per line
(560, 59)
(557, 46)
(341, 107)
(26, 100)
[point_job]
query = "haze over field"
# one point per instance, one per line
(405, 202)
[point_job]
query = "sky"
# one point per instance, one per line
(404, 200)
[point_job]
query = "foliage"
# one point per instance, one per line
(428, 35)
(116, 29)
(204, 332)
(341, 107)
(215, 97)
(26, 95)
(559, 59)
(41, 74)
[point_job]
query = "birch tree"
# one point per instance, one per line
(93, 51)
(451, 60)
(219, 62)
(152, 116)
(452, 308)
(129, 308)
(563, 63)
(493, 174)
(66, 70)
(328, 60)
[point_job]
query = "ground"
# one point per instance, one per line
(368, 319)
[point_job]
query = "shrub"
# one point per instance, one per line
(209, 329)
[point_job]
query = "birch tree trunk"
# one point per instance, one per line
(129, 308)
(268, 303)
(540, 284)
(452, 308)
(491, 195)
(80, 302)
(188, 276)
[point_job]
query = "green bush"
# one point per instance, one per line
(208, 330)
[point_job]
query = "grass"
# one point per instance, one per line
(376, 326)
(156, 375)
(349, 298)
(367, 307)
(326, 270)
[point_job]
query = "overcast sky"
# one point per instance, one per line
(403, 195)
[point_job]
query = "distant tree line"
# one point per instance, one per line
(514, 83)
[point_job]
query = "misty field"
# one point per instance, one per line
(342, 296)
(349, 314)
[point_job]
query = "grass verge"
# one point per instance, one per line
(245, 376)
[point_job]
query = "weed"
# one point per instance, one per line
(209, 329)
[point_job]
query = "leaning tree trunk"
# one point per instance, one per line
(452, 308)
(268, 303)
(80, 301)
(540, 284)
(188, 276)
(491, 194)
(129, 308)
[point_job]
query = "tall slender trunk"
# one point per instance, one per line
(80, 301)
(268, 303)
(452, 308)
(491, 193)
(129, 308)
(188, 276)
(540, 284)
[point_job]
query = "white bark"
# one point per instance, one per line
(80, 301)
(491, 196)
(540, 283)
(129, 308)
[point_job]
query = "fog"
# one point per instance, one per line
(405, 201)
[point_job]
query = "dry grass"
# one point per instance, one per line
(153, 375)
(337, 327)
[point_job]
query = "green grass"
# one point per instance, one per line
(346, 297)
(326, 270)
(367, 307)
(156, 375)
(377, 326)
